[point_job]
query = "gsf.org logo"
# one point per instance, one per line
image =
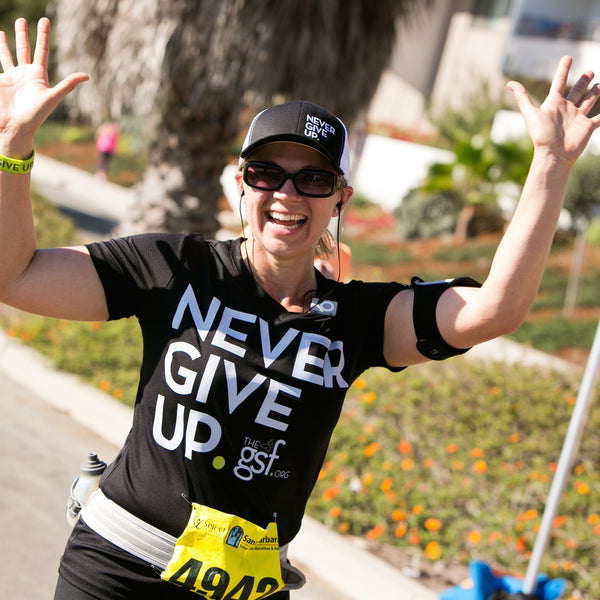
(259, 459)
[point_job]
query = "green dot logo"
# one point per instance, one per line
(218, 462)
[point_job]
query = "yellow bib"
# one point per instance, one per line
(224, 557)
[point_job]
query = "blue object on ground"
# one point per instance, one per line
(482, 583)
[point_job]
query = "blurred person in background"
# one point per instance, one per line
(107, 138)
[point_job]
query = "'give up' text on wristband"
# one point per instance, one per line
(13, 165)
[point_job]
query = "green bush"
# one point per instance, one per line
(372, 254)
(553, 335)
(455, 460)
(424, 214)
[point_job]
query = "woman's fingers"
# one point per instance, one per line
(6, 59)
(590, 99)
(559, 81)
(22, 42)
(42, 43)
(579, 90)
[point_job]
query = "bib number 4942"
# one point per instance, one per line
(216, 584)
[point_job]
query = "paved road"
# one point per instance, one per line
(40, 453)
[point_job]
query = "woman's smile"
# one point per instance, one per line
(285, 220)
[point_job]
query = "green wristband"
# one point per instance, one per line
(12, 165)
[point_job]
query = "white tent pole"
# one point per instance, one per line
(565, 462)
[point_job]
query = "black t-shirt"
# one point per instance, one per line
(238, 397)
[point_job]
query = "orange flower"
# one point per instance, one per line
(344, 527)
(514, 438)
(429, 463)
(335, 512)
(494, 390)
(414, 537)
(433, 551)
(480, 466)
(582, 487)
(368, 479)
(340, 477)
(398, 515)
(94, 325)
(401, 529)
(571, 400)
(330, 493)
(407, 464)
(360, 384)
(474, 537)
(105, 385)
(417, 509)
(322, 474)
(369, 397)
(432, 524)
(386, 484)
(494, 536)
(579, 469)
(405, 447)
(571, 543)
(458, 465)
(593, 519)
(451, 448)
(477, 453)
(529, 515)
(372, 448)
(374, 533)
(117, 393)
(521, 545)
(559, 521)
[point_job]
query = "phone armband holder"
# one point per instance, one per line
(426, 295)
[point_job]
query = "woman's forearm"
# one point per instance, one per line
(17, 231)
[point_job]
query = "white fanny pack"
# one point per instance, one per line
(149, 543)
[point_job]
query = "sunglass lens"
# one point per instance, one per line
(317, 183)
(263, 176)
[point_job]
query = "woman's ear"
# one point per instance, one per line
(239, 182)
(343, 201)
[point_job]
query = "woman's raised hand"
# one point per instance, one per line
(26, 98)
(560, 126)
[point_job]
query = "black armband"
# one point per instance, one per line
(427, 293)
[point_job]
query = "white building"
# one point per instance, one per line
(449, 50)
(447, 53)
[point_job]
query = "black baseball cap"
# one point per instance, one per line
(303, 123)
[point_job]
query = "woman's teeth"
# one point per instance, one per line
(285, 219)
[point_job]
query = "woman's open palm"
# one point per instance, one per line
(26, 98)
(560, 125)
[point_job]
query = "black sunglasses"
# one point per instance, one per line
(312, 183)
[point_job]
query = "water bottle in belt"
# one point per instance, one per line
(83, 486)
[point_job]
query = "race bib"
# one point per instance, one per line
(224, 557)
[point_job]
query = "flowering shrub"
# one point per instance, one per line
(456, 460)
